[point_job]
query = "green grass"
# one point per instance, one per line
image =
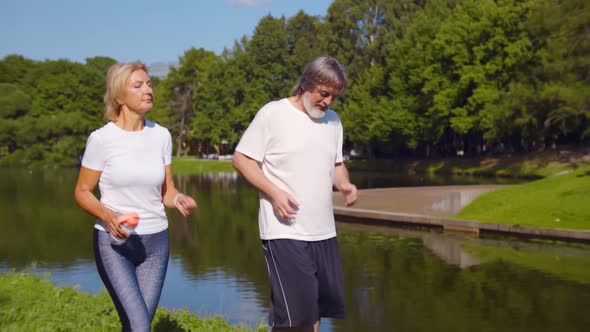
(555, 202)
(190, 165)
(32, 303)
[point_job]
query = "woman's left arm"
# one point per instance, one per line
(171, 197)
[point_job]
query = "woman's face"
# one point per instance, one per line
(138, 95)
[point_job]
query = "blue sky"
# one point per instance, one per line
(149, 30)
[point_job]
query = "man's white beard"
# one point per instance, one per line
(312, 111)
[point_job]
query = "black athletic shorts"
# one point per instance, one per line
(306, 281)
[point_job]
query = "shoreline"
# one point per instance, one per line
(436, 207)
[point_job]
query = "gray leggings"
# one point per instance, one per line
(133, 274)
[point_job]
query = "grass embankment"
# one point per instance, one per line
(191, 165)
(531, 165)
(559, 201)
(32, 303)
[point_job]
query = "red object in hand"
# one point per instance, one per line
(128, 222)
(130, 219)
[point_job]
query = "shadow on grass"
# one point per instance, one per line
(166, 324)
(4, 300)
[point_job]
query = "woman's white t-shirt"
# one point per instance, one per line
(132, 165)
(298, 155)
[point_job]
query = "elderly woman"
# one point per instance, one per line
(130, 159)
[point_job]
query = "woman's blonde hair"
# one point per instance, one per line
(116, 79)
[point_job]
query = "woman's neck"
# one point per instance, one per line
(129, 120)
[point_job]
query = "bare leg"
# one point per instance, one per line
(316, 326)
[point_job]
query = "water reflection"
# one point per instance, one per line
(450, 251)
(400, 285)
(452, 202)
(215, 292)
(396, 280)
(381, 179)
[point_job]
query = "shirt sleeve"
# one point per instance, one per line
(167, 151)
(94, 155)
(339, 157)
(253, 142)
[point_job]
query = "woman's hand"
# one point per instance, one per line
(184, 204)
(113, 224)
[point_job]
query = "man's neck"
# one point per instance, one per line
(297, 101)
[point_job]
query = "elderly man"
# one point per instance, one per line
(292, 153)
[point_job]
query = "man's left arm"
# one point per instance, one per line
(342, 183)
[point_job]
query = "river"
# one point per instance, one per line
(395, 279)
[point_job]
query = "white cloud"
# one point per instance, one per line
(249, 3)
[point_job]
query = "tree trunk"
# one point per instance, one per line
(185, 104)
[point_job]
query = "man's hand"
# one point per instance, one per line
(349, 192)
(284, 205)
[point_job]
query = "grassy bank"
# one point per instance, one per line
(531, 165)
(32, 303)
(559, 201)
(190, 165)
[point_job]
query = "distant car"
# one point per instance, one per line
(226, 157)
(356, 152)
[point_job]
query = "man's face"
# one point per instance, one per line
(317, 102)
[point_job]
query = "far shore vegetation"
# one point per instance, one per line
(192, 165)
(532, 165)
(556, 197)
(33, 303)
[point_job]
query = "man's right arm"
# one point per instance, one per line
(283, 203)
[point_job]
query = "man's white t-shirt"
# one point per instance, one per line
(298, 155)
(132, 165)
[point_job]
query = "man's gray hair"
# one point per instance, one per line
(325, 70)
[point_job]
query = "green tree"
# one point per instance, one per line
(16, 69)
(181, 88)
(100, 63)
(303, 43)
(14, 103)
(561, 27)
(266, 71)
(65, 107)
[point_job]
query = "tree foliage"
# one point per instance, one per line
(426, 78)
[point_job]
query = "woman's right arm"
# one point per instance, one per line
(84, 195)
